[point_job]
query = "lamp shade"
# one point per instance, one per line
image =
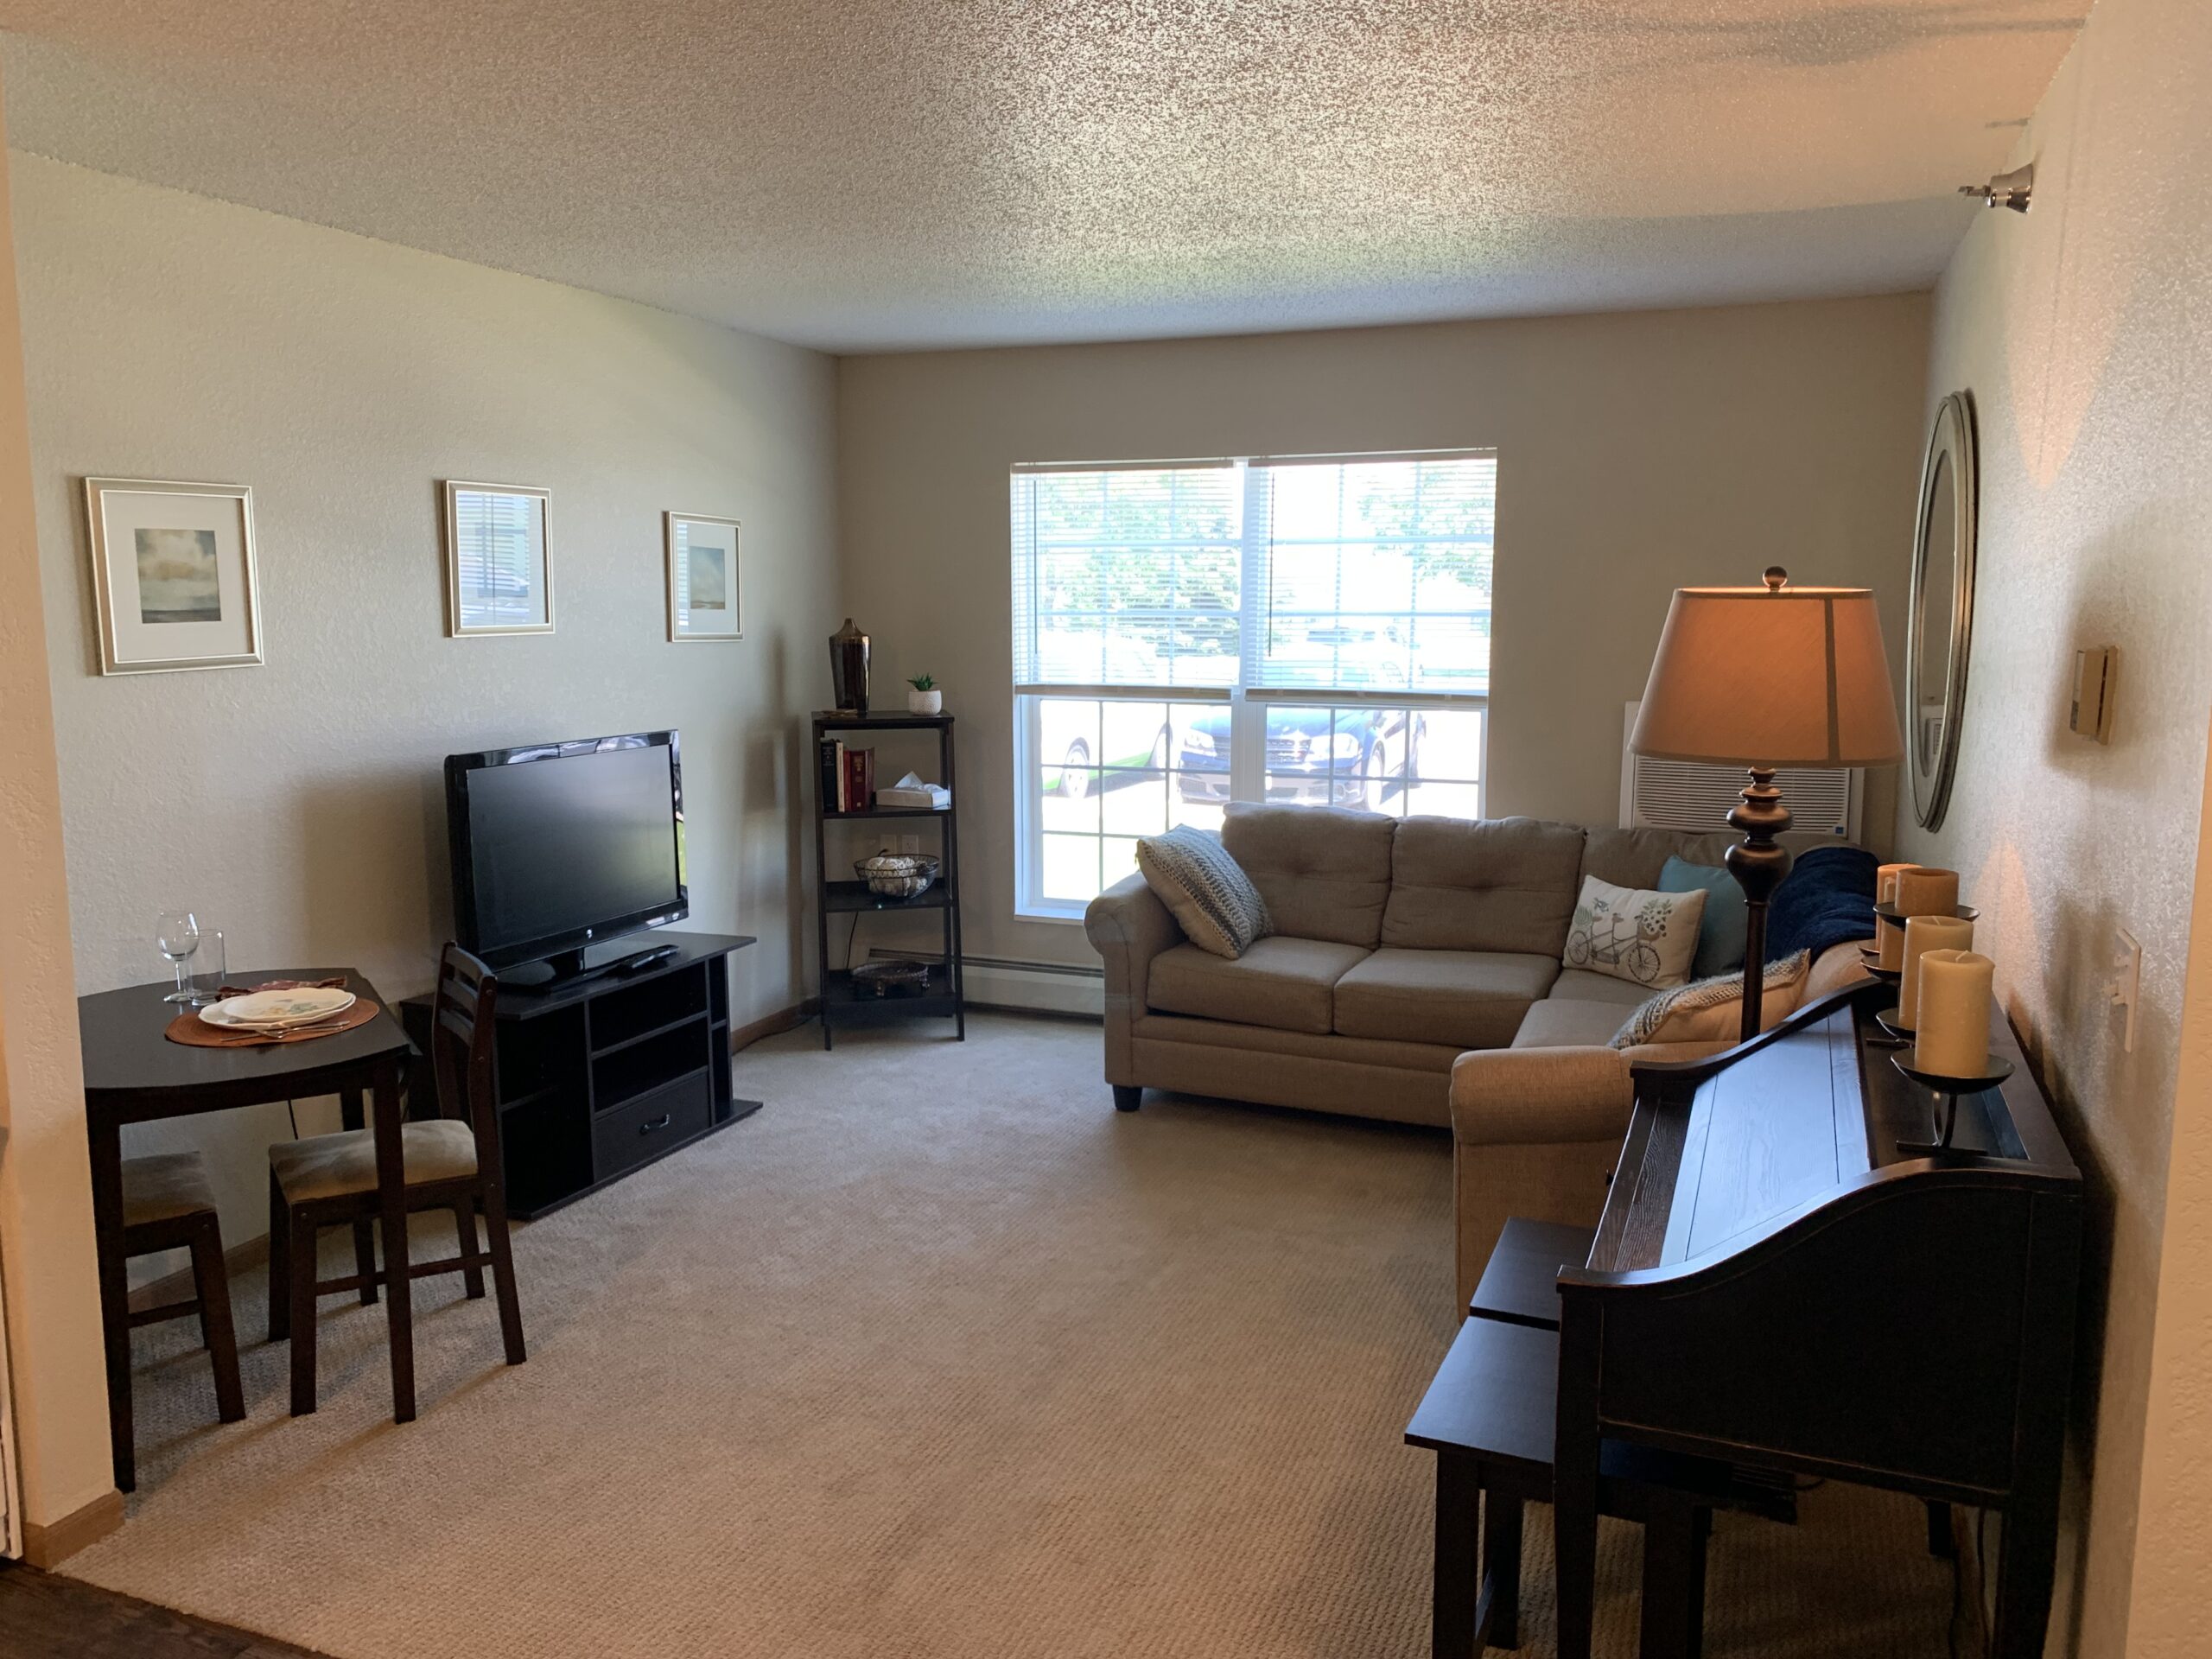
(1775, 675)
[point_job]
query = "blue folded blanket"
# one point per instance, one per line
(1827, 896)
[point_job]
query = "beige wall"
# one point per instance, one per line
(298, 805)
(1636, 452)
(57, 1372)
(2173, 1552)
(2084, 331)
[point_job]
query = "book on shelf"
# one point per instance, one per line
(831, 780)
(860, 780)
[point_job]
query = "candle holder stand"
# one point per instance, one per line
(1943, 1112)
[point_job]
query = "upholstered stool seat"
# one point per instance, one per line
(332, 1165)
(163, 1185)
(169, 1203)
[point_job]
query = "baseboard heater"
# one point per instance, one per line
(1030, 986)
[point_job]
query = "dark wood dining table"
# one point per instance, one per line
(135, 1074)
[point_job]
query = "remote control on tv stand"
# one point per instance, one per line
(644, 960)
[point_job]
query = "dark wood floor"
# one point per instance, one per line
(43, 1616)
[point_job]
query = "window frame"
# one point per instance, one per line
(1247, 699)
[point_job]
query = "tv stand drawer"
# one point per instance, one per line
(641, 1129)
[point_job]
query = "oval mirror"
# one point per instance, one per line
(1940, 626)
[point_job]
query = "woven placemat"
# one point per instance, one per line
(194, 1033)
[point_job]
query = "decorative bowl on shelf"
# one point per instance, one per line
(889, 978)
(898, 876)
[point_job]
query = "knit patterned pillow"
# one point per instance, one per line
(1205, 889)
(1711, 1010)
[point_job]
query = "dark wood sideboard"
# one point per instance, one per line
(1780, 1282)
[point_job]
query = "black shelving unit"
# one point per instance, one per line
(844, 1002)
(600, 1075)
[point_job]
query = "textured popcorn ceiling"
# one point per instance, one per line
(861, 176)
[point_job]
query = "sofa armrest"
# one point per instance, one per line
(1128, 925)
(1525, 1097)
(1535, 1132)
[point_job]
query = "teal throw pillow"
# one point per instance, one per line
(1721, 931)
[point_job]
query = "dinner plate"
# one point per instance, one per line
(276, 1010)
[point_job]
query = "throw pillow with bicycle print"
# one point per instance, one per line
(1633, 934)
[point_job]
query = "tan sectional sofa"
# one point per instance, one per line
(1404, 949)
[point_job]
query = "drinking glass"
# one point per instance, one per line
(209, 967)
(177, 931)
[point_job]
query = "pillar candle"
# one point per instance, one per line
(1920, 891)
(1923, 934)
(1888, 940)
(1924, 892)
(1952, 1038)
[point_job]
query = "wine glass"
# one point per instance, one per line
(177, 931)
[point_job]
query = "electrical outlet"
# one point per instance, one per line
(910, 843)
(2125, 989)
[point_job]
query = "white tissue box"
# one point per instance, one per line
(911, 791)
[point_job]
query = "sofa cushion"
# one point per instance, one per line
(1324, 872)
(1497, 884)
(1722, 930)
(1570, 1022)
(1281, 981)
(1711, 1010)
(1580, 985)
(1473, 998)
(1834, 968)
(1211, 899)
(1632, 933)
(1634, 858)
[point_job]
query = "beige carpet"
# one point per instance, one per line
(936, 1356)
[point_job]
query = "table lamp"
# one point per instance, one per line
(1766, 678)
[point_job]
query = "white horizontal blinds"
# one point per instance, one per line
(1375, 574)
(1127, 575)
(495, 554)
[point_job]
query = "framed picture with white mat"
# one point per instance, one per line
(703, 585)
(173, 575)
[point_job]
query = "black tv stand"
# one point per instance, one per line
(564, 967)
(603, 1071)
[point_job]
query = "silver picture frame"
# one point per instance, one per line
(498, 559)
(706, 578)
(175, 584)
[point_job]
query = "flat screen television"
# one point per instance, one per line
(558, 846)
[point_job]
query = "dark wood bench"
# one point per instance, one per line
(1520, 1284)
(1488, 1416)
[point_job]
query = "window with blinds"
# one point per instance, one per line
(1310, 629)
(1375, 574)
(1128, 575)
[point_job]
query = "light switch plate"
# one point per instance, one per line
(910, 843)
(2125, 990)
(2089, 710)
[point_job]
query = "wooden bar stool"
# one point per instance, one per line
(451, 1162)
(168, 1204)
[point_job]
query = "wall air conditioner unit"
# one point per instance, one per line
(1690, 795)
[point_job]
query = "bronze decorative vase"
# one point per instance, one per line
(849, 668)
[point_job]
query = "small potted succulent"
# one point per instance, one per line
(925, 698)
